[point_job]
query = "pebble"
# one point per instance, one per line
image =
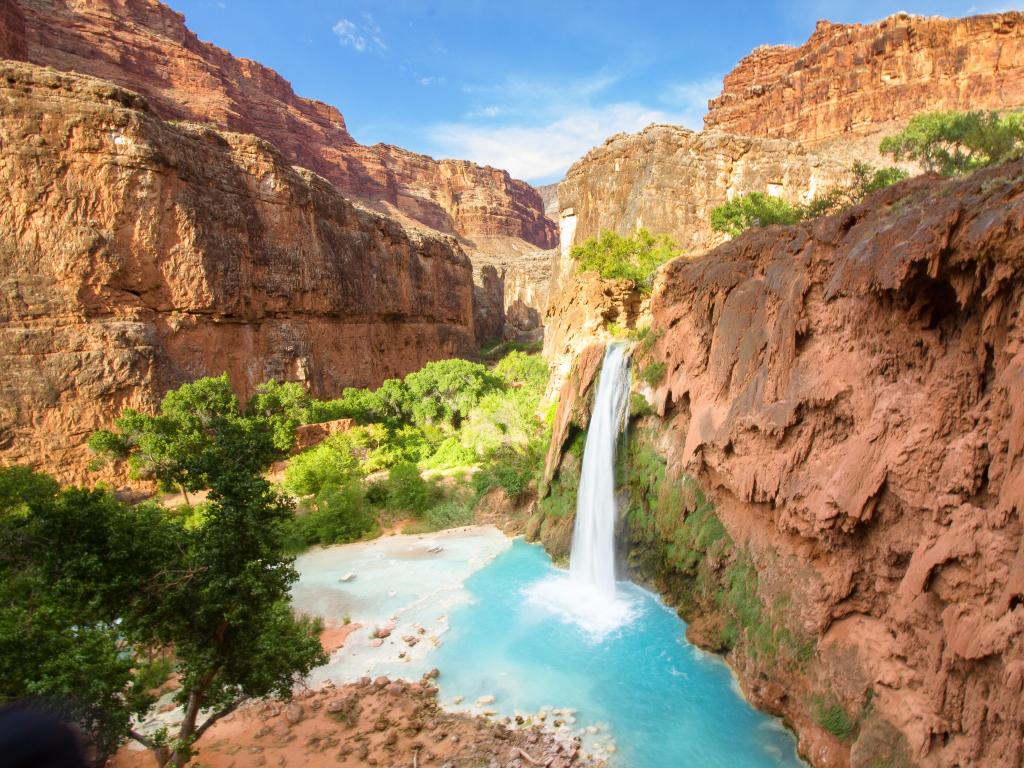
(482, 700)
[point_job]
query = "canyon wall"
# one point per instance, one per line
(851, 80)
(145, 46)
(667, 178)
(138, 254)
(849, 392)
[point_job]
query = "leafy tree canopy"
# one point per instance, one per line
(635, 258)
(953, 143)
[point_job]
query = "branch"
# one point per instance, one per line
(217, 716)
(145, 741)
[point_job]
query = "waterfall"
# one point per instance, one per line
(592, 559)
(587, 596)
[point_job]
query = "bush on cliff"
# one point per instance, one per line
(752, 210)
(635, 258)
(953, 143)
(759, 210)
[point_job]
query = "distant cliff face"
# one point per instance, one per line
(145, 46)
(667, 179)
(855, 80)
(139, 254)
(850, 392)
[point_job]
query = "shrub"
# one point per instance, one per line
(653, 373)
(407, 490)
(758, 210)
(635, 258)
(833, 718)
(331, 463)
(450, 453)
(510, 468)
(341, 514)
(752, 210)
(449, 514)
(953, 143)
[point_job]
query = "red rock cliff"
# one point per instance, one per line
(853, 80)
(850, 392)
(145, 46)
(138, 254)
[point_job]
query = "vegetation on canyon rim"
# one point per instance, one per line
(635, 258)
(947, 143)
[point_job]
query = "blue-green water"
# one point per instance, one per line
(666, 703)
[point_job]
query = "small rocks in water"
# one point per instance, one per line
(376, 642)
(591, 729)
(347, 577)
(482, 700)
(433, 674)
(456, 700)
(381, 681)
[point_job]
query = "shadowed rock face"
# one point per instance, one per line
(145, 46)
(667, 179)
(139, 254)
(850, 391)
(852, 80)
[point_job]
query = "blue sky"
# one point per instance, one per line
(527, 85)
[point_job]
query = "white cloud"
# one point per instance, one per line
(542, 152)
(362, 36)
(690, 100)
(492, 110)
(431, 80)
(548, 126)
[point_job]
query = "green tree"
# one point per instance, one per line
(443, 392)
(635, 258)
(953, 143)
(752, 210)
(285, 406)
(214, 593)
(199, 433)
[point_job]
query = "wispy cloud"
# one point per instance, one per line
(543, 152)
(361, 36)
(544, 127)
(690, 100)
(430, 80)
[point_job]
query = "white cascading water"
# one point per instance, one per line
(592, 560)
(587, 596)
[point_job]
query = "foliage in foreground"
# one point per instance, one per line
(635, 258)
(953, 143)
(759, 210)
(118, 585)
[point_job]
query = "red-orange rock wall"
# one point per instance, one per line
(139, 254)
(146, 47)
(850, 392)
(853, 80)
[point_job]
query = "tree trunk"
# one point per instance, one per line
(183, 752)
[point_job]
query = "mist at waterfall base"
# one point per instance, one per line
(665, 703)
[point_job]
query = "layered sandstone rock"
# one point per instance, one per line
(145, 46)
(138, 254)
(581, 314)
(667, 178)
(850, 392)
(852, 80)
